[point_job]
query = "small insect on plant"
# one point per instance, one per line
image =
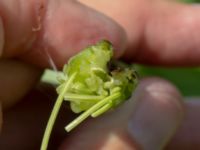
(93, 83)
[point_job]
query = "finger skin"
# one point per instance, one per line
(159, 32)
(188, 136)
(69, 27)
(19, 20)
(54, 28)
(131, 16)
(16, 79)
(158, 113)
(39, 103)
(163, 115)
(25, 123)
(27, 32)
(171, 36)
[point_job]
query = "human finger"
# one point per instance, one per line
(25, 123)
(147, 121)
(41, 30)
(187, 136)
(16, 79)
(159, 32)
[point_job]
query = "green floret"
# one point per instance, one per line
(92, 84)
(92, 57)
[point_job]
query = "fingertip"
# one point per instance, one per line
(70, 26)
(158, 113)
(156, 85)
(171, 35)
(188, 135)
(154, 113)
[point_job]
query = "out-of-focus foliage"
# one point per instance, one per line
(191, 1)
(186, 79)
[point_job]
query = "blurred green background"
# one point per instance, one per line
(191, 1)
(186, 79)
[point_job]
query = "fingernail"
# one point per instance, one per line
(158, 114)
(1, 37)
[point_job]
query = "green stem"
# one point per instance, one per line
(87, 113)
(102, 110)
(78, 97)
(54, 114)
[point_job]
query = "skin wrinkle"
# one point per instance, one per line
(26, 14)
(39, 11)
(48, 44)
(62, 44)
(40, 14)
(38, 48)
(41, 47)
